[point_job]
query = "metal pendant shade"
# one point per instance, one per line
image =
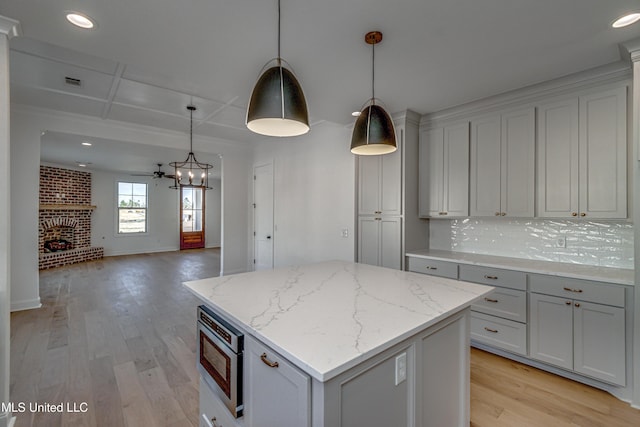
(277, 106)
(373, 132)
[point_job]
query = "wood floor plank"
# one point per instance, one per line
(136, 407)
(106, 395)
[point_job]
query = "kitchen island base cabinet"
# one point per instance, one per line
(435, 392)
(422, 381)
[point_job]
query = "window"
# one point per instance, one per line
(132, 208)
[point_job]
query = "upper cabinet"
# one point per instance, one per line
(380, 183)
(502, 174)
(582, 156)
(444, 172)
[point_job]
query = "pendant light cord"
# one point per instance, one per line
(191, 131)
(278, 32)
(373, 73)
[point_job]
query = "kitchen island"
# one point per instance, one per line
(356, 345)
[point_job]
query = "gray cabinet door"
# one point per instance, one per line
(599, 341)
(277, 393)
(551, 330)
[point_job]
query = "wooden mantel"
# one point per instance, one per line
(69, 207)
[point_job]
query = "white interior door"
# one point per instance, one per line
(263, 216)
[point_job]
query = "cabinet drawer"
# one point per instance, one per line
(213, 413)
(503, 302)
(583, 290)
(433, 267)
(494, 277)
(502, 333)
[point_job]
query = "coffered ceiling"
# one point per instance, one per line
(148, 59)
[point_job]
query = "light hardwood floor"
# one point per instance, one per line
(119, 334)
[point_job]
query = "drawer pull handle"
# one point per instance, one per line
(490, 300)
(214, 422)
(432, 268)
(443, 213)
(493, 331)
(268, 362)
(573, 290)
(486, 276)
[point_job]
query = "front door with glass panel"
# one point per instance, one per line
(191, 217)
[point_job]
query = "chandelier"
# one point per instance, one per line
(190, 172)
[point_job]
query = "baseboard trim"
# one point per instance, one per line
(6, 420)
(26, 304)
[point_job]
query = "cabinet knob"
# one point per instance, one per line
(574, 213)
(583, 214)
(577, 304)
(214, 422)
(497, 213)
(503, 214)
(567, 302)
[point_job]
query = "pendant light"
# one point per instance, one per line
(188, 172)
(373, 132)
(277, 106)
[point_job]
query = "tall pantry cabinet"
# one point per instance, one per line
(387, 200)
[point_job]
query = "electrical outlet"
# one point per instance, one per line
(561, 242)
(345, 233)
(401, 368)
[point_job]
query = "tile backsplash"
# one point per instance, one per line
(602, 243)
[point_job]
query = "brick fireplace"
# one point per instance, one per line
(64, 232)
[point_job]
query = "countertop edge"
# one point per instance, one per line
(462, 258)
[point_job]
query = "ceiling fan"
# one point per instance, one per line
(156, 174)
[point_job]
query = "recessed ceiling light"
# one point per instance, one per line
(625, 20)
(82, 165)
(80, 20)
(87, 143)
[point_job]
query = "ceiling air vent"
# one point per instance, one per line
(73, 82)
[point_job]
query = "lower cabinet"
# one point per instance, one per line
(581, 336)
(212, 412)
(576, 324)
(276, 393)
(499, 319)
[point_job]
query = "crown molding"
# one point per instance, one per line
(610, 73)
(10, 27)
(410, 116)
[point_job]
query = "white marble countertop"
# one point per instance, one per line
(577, 271)
(330, 316)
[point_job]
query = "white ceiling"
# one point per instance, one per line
(148, 59)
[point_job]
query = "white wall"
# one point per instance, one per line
(314, 193)
(27, 123)
(163, 216)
